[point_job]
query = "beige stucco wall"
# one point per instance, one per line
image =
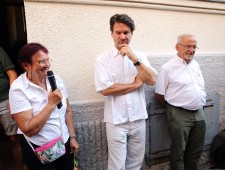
(75, 32)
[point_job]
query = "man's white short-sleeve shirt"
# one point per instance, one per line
(182, 84)
(112, 68)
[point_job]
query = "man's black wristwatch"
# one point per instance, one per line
(138, 62)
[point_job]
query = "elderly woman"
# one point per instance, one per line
(34, 107)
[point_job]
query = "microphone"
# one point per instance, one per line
(53, 85)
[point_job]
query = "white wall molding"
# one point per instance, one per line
(168, 5)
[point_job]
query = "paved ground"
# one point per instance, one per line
(7, 164)
(207, 167)
(165, 166)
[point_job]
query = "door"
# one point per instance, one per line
(13, 34)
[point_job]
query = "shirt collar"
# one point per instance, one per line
(115, 51)
(27, 82)
(183, 61)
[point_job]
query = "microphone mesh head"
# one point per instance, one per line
(50, 73)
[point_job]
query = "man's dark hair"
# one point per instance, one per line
(122, 18)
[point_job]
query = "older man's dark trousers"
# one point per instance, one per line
(187, 130)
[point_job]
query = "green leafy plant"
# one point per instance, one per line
(76, 167)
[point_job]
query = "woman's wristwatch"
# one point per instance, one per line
(73, 136)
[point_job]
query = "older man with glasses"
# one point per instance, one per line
(180, 87)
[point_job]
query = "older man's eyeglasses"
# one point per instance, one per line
(189, 46)
(44, 62)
